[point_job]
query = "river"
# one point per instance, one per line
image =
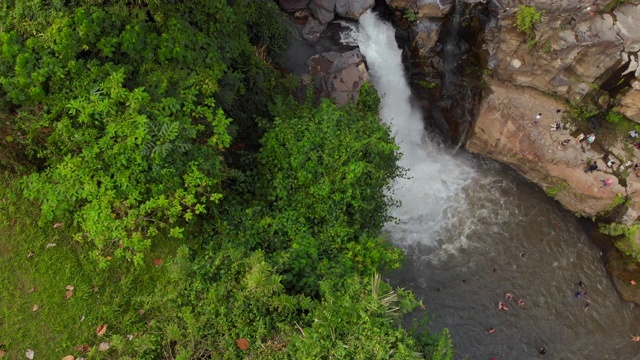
(474, 230)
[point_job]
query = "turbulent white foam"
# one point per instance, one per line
(433, 192)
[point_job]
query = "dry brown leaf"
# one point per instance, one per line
(1, 353)
(69, 357)
(57, 225)
(242, 343)
(141, 311)
(100, 330)
(157, 261)
(33, 289)
(30, 254)
(68, 294)
(94, 288)
(35, 307)
(29, 354)
(70, 287)
(83, 348)
(104, 346)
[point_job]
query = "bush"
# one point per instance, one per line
(614, 117)
(526, 18)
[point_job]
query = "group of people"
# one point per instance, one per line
(582, 292)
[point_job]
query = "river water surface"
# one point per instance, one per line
(474, 230)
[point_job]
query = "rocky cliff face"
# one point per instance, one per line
(581, 61)
(578, 48)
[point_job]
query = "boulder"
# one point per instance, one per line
(293, 5)
(630, 102)
(323, 10)
(628, 26)
(312, 30)
(352, 9)
(339, 76)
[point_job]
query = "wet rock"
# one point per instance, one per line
(293, 5)
(426, 34)
(352, 9)
(622, 271)
(339, 76)
(312, 30)
(423, 8)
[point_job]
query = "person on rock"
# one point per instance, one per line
(591, 168)
(591, 138)
(606, 182)
(538, 117)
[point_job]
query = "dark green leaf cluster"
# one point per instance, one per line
(323, 172)
(123, 105)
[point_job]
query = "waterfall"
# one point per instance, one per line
(452, 52)
(432, 194)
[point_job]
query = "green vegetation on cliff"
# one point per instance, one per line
(159, 178)
(526, 19)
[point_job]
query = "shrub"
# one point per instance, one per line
(526, 18)
(614, 117)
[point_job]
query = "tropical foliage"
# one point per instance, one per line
(158, 144)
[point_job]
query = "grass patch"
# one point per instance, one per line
(554, 190)
(33, 274)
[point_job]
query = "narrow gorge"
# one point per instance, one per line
(473, 229)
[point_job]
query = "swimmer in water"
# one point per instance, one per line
(508, 296)
(491, 331)
(501, 306)
(520, 302)
(634, 338)
(542, 351)
(586, 305)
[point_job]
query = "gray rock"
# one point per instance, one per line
(312, 30)
(563, 62)
(339, 76)
(323, 10)
(352, 9)
(628, 26)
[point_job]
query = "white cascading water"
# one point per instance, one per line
(432, 193)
